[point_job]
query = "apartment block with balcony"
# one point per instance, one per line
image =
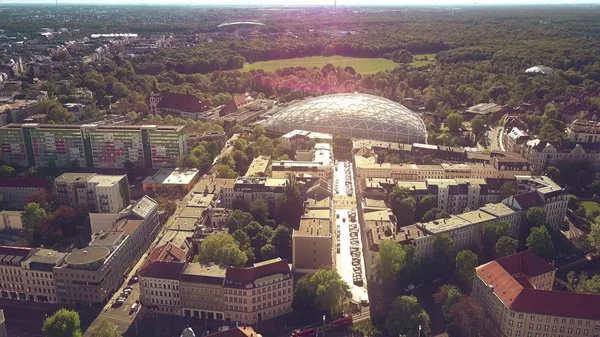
(97, 193)
(167, 144)
(257, 293)
(12, 146)
(516, 292)
(112, 147)
(59, 145)
(584, 131)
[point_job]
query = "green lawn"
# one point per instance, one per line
(422, 59)
(590, 206)
(361, 65)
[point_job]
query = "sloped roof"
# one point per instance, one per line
(529, 199)
(167, 253)
(240, 277)
(519, 294)
(162, 270)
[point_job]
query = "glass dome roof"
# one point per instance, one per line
(351, 115)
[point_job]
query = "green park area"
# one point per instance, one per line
(591, 206)
(361, 65)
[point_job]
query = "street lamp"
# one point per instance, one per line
(323, 325)
(419, 330)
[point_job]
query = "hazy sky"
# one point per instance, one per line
(312, 2)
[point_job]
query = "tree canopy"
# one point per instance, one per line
(222, 249)
(405, 316)
(63, 323)
(324, 291)
(390, 260)
(466, 261)
(540, 242)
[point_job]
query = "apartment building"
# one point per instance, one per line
(541, 191)
(202, 291)
(465, 229)
(16, 190)
(12, 284)
(159, 280)
(584, 131)
(317, 163)
(379, 225)
(95, 192)
(246, 189)
(38, 275)
(300, 138)
(258, 293)
(501, 168)
(88, 276)
(516, 291)
(542, 154)
(259, 167)
(92, 145)
(515, 139)
(182, 179)
(312, 243)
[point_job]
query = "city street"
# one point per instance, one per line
(348, 233)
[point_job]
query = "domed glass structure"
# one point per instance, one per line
(351, 116)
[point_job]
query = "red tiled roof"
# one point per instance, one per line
(240, 277)
(167, 253)
(519, 295)
(183, 102)
(529, 199)
(526, 262)
(162, 270)
(25, 182)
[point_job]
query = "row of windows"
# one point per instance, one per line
(160, 285)
(258, 307)
(42, 283)
(171, 302)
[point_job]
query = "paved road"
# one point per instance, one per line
(344, 205)
(495, 136)
(121, 316)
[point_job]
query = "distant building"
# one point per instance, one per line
(299, 138)
(516, 291)
(94, 192)
(584, 131)
(92, 145)
(515, 139)
(542, 154)
(482, 109)
(16, 190)
(247, 189)
(235, 104)
(539, 69)
(185, 106)
(258, 167)
(317, 162)
(178, 178)
(11, 220)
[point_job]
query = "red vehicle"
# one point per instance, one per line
(342, 321)
(311, 330)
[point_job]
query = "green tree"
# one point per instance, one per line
(282, 240)
(242, 238)
(467, 318)
(364, 328)
(540, 242)
(478, 124)
(259, 209)
(33, 215)
(453, 122)
(536, 217)
(435, 214)
(447, 296)
(292, 204)
(426, 204)
(505, 246)
(553, 173)
(443, 253)
(221, 248)
(63, 323)
(584, 284)
(268, 252)
(103, 328)
(402, 205)
(64, 56)
(391, 258)
(594, 236)
(405, 316)
(324, 291)
(492, 232)
(466, 261)
(573, 202)
(508, 189)
(59, 115)
(6, 171)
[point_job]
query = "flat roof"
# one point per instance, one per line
(375, 203)
(201, 200)
(204, 270)
(106, 180)
(47, 256)
(413, 185)
(259, 165)
(476, 216)
(314, 227)
(213, 185)
(317, 214)
(74, 177)
(176, 238)
(108, 239)
(275, 182)
(172, 176)
(443, 225)
(184, 224)
(192, 212)
(87, 255)
(308, 134)
(497, 210)
(318, 203)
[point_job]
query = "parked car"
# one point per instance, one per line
(409, 287)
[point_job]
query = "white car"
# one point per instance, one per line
(409, 287)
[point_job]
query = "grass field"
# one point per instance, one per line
(422, 59)
(590, 206)
(361, 65)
